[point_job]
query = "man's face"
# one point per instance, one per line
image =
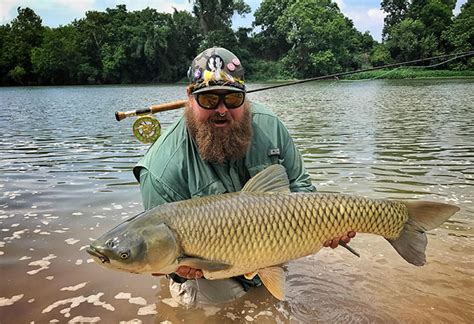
(221, 116)
(221, 134)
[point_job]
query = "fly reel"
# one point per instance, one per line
(146, 129)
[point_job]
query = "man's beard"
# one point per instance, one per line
(221, 144)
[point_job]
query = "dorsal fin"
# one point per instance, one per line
(271, 179)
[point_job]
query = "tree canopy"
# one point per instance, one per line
(288, 39)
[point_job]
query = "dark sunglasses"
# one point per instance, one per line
(211, 100)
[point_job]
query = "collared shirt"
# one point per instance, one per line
(173, 170)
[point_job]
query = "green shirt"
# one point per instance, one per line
(173, 170)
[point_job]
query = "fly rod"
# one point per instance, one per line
(120, 115)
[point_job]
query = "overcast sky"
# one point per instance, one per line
(365, 14)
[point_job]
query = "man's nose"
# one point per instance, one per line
(221, 108)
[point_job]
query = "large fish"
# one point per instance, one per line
(256, 230)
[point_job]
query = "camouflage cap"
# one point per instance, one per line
(216, 69)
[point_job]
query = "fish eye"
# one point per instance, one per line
(124, 255)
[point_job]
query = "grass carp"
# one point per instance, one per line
(256, 230)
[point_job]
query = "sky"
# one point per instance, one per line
(365, 14)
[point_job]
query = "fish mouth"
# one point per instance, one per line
(95, 253)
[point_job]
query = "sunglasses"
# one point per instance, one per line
(211, 100)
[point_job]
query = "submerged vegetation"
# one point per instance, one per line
(291, 39)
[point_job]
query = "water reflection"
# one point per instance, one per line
(65, 178)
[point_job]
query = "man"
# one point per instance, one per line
(216, 147)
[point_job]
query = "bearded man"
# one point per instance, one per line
(216, 147)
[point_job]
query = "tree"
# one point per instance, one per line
(459, 37)
(92, 36)
(183, 42)
(408, 41)
(271, 42)
(217, 14)
(7, 60)
(57, 59)
(413, 29)
(396, 11)
(380, 55)
(26, 32)
(322, 40)
(436, 15)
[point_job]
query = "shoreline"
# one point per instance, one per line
(394, 74)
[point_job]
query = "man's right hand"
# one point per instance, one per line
(189, 273)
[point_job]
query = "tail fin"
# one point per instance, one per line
(422, 216)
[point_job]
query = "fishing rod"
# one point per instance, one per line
(120, 115)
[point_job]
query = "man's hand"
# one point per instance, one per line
(189, 273)
(335, 242)
(185, 272)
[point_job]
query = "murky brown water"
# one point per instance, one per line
(65, 178)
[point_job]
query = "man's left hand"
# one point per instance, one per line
(335, 242)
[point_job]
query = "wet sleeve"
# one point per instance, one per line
(155, 192)
(300, 180)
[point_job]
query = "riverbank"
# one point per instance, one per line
(410, 73)
(276, 77)
(396, 73)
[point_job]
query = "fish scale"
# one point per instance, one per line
(257, 229)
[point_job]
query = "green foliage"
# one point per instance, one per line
(271, 42)
(322, 40)
(24, 33)
(264, 70)
(424, 21)
(55, 61)
(215, 15)
(222, 38)
(115, 46)
(17, 74)
(460, 35)
(380, 55)
(409, 73)
(396, 11)
(409, 41)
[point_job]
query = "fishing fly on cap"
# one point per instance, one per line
(216, 69)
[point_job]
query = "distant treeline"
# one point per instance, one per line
(292, 39)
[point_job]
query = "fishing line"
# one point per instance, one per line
(337, 75)
(413, 67)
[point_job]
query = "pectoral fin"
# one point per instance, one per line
(250, 275)
(273, 279)
(202, 264)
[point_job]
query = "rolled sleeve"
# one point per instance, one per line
(155, 192)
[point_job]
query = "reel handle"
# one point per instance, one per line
(120, 115)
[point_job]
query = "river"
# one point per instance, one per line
(65, 178)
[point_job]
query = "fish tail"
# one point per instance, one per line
(422, 216)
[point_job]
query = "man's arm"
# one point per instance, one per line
(154, 192)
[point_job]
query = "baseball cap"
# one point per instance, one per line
(216, 69)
